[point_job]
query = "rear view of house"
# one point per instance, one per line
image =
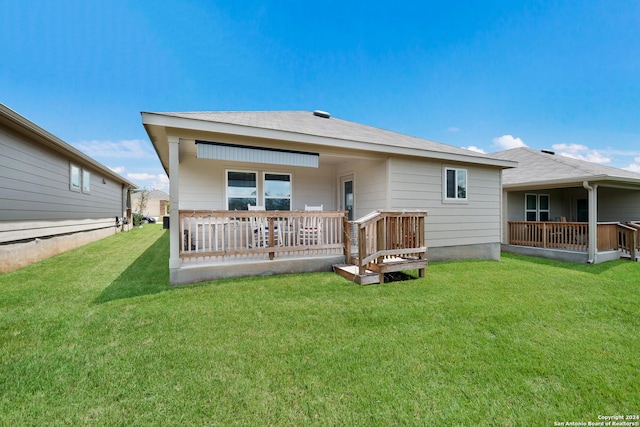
(52, 196)
(317, 187)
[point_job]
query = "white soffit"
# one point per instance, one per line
(244, 153)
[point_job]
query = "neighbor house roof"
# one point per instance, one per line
(20, 124)
(307, 127)
(153, 195)
(540, 169)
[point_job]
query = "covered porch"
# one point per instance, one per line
(591, 223)
(571, 240)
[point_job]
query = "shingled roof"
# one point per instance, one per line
(538, 167)
(305, 123)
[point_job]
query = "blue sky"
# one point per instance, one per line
(562, 75)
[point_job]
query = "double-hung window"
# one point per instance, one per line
(242, 190)
(86, 181)
(75, 178)
(455, 184)
(536, 207)
(277, 191)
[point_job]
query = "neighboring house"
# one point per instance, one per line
(221, 162)
(52, 196)
(570, 209)
(157, 203)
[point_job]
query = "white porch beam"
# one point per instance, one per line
(174, 200)
(593, 221)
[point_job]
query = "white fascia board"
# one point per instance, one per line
(240, 130)
(604, 180)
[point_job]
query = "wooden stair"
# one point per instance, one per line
(384, 242)
(351, 272)
(374, 273)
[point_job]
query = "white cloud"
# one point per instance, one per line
(118, 169)
(580, 152)
(127, 148)
(571, 148)
(147, 180)
(507, 142)
(453, 129)
(141, 176)
(476, 149)
(634, 167)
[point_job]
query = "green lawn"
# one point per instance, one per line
(96, 336)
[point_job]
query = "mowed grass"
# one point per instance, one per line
(96, 336)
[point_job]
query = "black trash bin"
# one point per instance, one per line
(165, 222)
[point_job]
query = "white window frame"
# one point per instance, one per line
(537, 209)
(75, 171)
(226, 185)
(86, 181)
(548, 210)
(264, 187)
(445, 187)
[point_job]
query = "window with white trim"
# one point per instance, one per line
(242, 190)
(455, 184)
(75, 179)
(536, 207)
(277, 191)
(79, 179)
(86, 181)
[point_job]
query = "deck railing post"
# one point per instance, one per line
(346, 227)
(271, 234)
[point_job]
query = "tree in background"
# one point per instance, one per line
(141, 206)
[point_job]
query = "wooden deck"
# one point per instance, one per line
(380, 243)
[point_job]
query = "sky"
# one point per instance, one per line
(483, 75)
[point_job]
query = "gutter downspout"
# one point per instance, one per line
(593, 221)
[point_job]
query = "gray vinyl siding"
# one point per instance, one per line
(615, 204)
(370, 184)
(35, 195)
(558, 206)
(418, 184)
(34, 185)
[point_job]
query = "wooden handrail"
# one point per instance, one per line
(383, 234)
(574, 235)
(628, 242)
(549, 235)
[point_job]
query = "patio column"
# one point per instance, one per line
(593, 221)
(174, 200)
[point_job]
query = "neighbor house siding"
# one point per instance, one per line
(557, 205)
(418, 184)
(35, 195)
(615, 204)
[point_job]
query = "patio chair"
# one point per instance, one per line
(260, 227)
(310, 231)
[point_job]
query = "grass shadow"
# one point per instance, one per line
(148, 274)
